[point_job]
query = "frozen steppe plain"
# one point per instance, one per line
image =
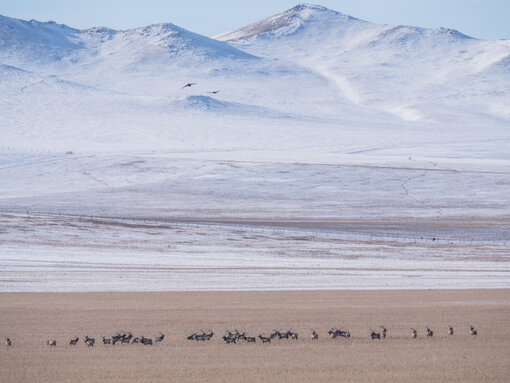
(337, 154)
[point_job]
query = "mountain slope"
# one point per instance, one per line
(33, 44)
(22, 40)
(307, 21)
(310, 80)
(287, 23)
(409, 71)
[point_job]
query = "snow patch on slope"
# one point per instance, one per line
(501, 65)
(212, 105)
(10, 71)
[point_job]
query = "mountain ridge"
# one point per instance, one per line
(290, 21)
(298, 17)
(49, 42)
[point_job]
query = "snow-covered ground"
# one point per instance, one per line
(58, 253)
(174, 187)
(166, 223)
(365, 139)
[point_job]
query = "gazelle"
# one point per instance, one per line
(192, 336)
(160, 338)
(89, 341)
(229, 338)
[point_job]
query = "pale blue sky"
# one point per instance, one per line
(486, 19)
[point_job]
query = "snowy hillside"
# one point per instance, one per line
(310, 85)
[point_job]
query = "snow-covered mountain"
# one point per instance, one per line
(301, 17)
(309, 78)
(431, 75)
(35, 43)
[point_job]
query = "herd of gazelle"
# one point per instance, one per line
(234, 337)
(125, 338)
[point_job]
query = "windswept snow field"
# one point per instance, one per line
(315, 151)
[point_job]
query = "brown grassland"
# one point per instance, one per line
(30, 319)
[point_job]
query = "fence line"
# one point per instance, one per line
(329, 234)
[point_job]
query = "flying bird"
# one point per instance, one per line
(213, 92)
(189, 85)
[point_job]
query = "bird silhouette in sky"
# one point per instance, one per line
(213, 92)
(189, 85)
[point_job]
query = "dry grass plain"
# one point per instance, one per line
(31, 319)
